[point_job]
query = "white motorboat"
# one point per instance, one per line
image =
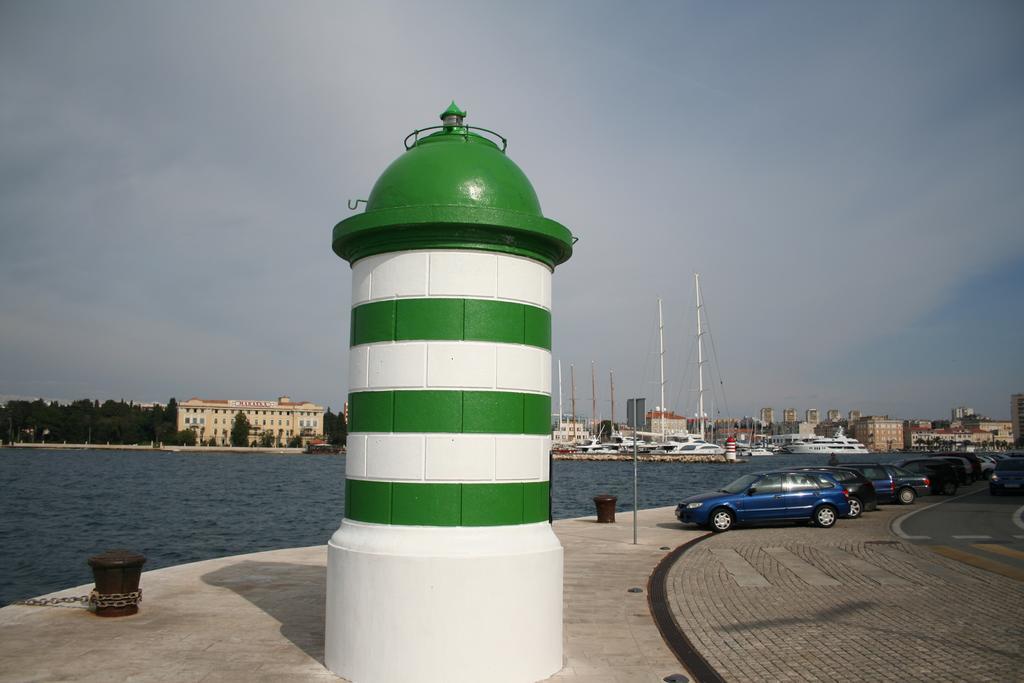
(756, 451)
(823, 445)
(587, 446)
(699, 447)
(625, 444)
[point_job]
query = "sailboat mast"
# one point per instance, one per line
(572, 377)
(611, 380)
(661, 360)
(560, 411)
(700, 360)
(593, 399)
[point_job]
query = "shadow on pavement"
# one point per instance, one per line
(859, 613)
(293, 594)
(819, 617)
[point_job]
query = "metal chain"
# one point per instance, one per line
(54, 602)
(93, 599)
(116, 599)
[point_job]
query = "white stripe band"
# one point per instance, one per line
(447, 457)
(451, 273)
(449, 365)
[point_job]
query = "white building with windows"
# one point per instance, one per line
(282, 420)
(570, 432)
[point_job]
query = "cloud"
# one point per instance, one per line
(169, 176)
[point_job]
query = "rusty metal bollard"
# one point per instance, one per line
(605, 508)
(117, 574)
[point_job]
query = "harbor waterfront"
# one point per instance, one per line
(59, 507)
(740, 606)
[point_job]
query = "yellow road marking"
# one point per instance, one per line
(980, 562)
(1000, 550)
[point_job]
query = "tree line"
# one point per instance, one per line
(114, 422)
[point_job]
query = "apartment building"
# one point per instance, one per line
(878, 433)
(665, 422)
(570, 432)
(1017, 418)
(960, 412)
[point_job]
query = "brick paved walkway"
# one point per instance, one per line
(804, 604)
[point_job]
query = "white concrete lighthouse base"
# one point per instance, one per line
(446, 604)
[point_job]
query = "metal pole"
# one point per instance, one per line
(636, 498)
(661, 359)
(700, 360)
(593, 400)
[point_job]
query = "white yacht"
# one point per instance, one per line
(822, 445)
(755, 451)
(594, 446)
(625, 444)
(698, 447)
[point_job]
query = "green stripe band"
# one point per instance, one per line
(451, 319)
(415, 504)
(450, 412)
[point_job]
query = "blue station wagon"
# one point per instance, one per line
(768, 496)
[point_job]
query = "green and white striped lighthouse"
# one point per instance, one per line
(445, 567)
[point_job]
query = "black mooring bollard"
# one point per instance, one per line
(117, 574)
(605, 508)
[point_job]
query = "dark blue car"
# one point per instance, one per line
(893, 484)
(1008, 477)
(768, 496)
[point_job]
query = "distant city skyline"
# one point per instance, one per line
(845, 182)
(581, 414)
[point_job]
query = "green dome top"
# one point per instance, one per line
(454, 167)
(455, 189)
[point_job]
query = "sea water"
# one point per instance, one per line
(59, 507)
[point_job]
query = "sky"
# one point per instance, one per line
(848, 178)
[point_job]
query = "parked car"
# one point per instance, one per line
(1008, 477)
(893, 484)
(963, 467)
(988, 464)
(973, 460)
(862, 491)
(941, 474)
(765, 496)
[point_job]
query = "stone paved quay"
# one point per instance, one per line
(260, 617)
(792, 603)
(782, 603)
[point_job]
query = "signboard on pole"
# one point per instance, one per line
(636, 412)
(636, 417)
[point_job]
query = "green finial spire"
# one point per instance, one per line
(452, 110)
